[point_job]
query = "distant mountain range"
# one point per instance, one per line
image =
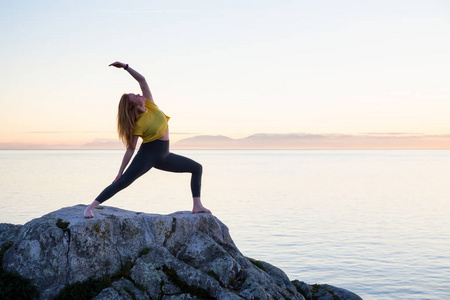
(277, 141)
(318, 141)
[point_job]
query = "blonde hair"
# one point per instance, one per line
(126, 118)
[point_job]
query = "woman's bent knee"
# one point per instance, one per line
(198, 168)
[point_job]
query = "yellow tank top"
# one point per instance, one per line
(152, 124)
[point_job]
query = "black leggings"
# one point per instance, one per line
(155, 154)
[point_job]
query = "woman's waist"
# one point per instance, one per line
(165, 137)
(156, 146)
(152, 135)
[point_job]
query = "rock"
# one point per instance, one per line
(258, 283)
(127, 290)
(324, 292)
(203, 253)
(108, 294)
(181, 297)
(279, 277)
(341, 293)
(131, 255)
(8, 233)
(303, 288)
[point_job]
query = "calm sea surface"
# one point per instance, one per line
(374, 222)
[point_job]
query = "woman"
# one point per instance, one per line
(139, 116)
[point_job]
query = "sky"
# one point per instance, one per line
(232, 68)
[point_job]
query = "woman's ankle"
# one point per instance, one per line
(93, 205)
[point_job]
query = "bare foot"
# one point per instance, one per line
(201, 210)
(198, 207)
(88, 213)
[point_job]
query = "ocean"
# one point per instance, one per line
(375, 222)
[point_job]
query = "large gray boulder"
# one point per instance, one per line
(142, 256)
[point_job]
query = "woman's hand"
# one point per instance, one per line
(117, 64)
(117, 178)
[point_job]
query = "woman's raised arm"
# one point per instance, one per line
(139, 78)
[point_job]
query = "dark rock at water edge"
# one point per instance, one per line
(122, 254)
(8, 232)
(323, 291)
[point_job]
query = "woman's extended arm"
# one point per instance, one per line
(139, 78)
(126, 158)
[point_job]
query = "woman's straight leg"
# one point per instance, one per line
(133, 172)
(141, 164)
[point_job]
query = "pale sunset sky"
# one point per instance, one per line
(232, 68)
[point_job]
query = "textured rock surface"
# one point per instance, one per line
(145, 256)
(323, 292)
(8, 232)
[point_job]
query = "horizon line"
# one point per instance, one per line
(269, 141)
(199, 148)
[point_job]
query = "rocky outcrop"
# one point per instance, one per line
(131, 255)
